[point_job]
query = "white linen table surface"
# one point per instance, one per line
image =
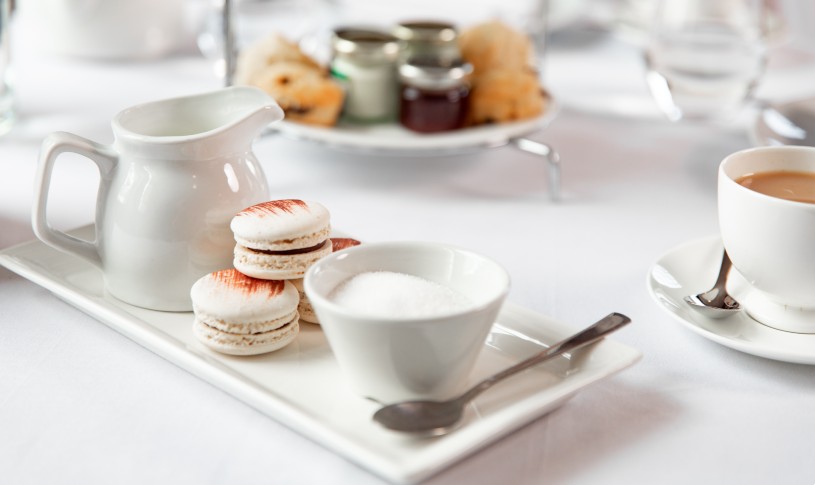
(80, 403)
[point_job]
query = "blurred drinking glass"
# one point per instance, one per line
(705, 57)
(6, 93)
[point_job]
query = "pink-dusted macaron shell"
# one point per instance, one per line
(231, 296)
(281, 225)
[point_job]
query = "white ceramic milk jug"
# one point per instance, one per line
(176, 174)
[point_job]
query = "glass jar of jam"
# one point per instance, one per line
(433, 97)
(365, 62)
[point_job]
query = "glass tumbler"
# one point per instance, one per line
(705, 57)
(6, 93)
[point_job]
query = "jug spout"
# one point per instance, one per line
(252, 109)
(208, 125)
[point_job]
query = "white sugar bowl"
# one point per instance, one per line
(405, 354)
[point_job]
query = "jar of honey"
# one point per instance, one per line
(433, 97)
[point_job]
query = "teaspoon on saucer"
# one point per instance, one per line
(716, 302)
(439, 417)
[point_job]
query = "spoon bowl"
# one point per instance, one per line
(427, 418)
(440, 417)
(716, 302)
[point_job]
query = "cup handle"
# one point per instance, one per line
(54, 144)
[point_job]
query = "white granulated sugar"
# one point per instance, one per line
(397, 295)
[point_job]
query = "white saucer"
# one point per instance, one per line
(690, 269)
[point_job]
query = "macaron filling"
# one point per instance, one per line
(251, 328)
(246, 344)
(286, 252)
(270, 265)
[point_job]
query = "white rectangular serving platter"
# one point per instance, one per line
(301, 387)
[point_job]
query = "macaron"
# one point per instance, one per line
(280, 239)
(340, 243)
(240, 315)
(305, 309)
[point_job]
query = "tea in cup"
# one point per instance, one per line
(766, 200)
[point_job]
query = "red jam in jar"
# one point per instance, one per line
(433, 97)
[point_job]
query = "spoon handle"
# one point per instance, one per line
(721, 282)
(590, 334)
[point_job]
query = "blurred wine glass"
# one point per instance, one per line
(251, 20)
(6, 91)
(705, 57)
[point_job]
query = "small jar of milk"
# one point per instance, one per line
(365, 62)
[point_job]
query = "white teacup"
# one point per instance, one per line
(771, 240)
(396, 358)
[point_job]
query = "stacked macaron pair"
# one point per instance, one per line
(281, 239)
(256, 306)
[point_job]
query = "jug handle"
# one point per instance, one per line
(54, 144)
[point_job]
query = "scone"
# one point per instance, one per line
(504, 95)
(495, 45)
(280, 239)
(306, 95)
(239, 315)
(305, 309)
(270, 50)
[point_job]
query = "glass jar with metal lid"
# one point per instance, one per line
(429, 39)
(365, 61)
(433, 97)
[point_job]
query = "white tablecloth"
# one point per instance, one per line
(80, 403)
